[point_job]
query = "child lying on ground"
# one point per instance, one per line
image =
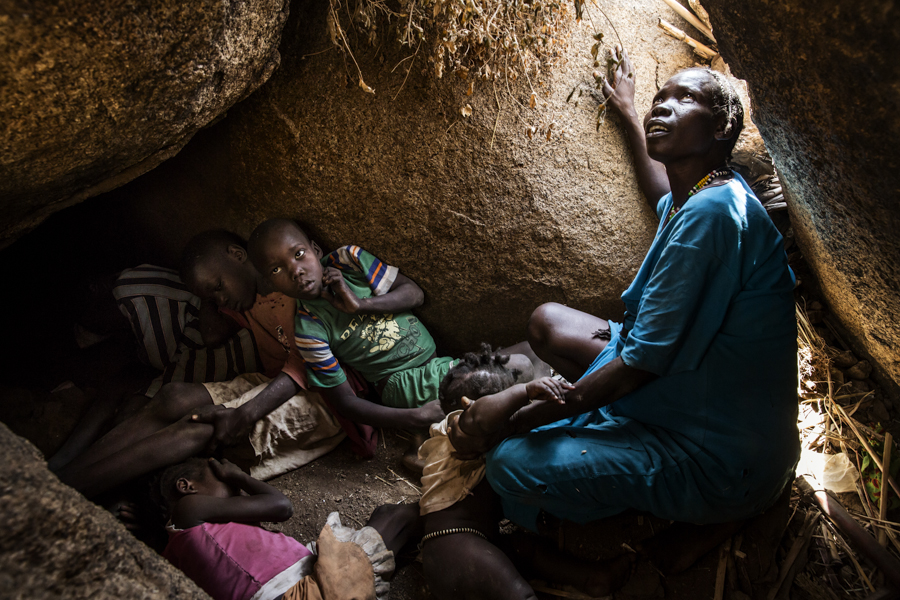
(353, 310)
(164, 320)
(461, 512)
(277, 425)
(215, 538)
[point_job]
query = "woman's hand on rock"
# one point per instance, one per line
(618, 86)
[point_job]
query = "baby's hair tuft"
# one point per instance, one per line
(475, 376)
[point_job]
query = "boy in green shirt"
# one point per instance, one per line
(352, 309)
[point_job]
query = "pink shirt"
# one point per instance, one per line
(231, 561)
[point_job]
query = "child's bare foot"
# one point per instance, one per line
(681, 545)
(593, 578)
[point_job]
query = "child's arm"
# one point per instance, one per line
(488, 414)
(233, 424)
(215, 328)
(263, 502)
(404, 294)
(358, 410)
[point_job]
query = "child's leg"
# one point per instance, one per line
(398, 524)
(465, 566)
(174, 401)
(167, 446)
(565, 338)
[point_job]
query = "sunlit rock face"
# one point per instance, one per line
(56, 544)
(489, 221)
(93, 94)
(824, 78)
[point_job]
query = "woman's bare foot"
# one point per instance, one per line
(677, 548)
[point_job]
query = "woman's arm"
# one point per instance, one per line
(604, 386)
(651, 175)
(488, 414)
(263, 502)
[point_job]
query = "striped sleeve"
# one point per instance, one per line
(379, 275)
(322, 367)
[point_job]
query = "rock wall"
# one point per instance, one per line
(489, 221)
(824, 78)
(93, 94)
(55, 544)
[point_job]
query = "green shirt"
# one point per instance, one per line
(376, 345)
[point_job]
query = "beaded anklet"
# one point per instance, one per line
(450, 531)
(699, 186)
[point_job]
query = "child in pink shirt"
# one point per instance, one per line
(216, 540)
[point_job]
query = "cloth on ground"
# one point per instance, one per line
(352, 565)
(446, 480)
(165, 320)
(294, 434)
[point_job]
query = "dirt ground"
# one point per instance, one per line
(342, 482)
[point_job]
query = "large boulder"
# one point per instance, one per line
(489, 221)
(55, 544)
(824, 78)
(93, 94)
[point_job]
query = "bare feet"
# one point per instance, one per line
(681, 545)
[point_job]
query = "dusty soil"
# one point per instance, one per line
(342, 482)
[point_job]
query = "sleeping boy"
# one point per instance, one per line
(269, 411)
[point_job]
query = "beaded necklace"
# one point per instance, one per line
(700, 185)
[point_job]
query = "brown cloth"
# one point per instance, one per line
(350, 566)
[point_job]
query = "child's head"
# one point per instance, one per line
(287, 258)
(215, 267)
(475, 376)
(193, 476)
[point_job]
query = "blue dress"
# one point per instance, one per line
(714, 438)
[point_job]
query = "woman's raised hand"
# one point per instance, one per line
(619, 91)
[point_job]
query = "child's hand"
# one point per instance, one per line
(547, 388)
(338, 293)
(226, 471)
(228, 426)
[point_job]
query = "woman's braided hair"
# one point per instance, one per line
(475, 376)
(726, 103)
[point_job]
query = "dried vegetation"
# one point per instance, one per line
(474, 39)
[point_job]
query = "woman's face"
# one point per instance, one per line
(681, 122)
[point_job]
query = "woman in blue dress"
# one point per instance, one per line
(686, 410)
